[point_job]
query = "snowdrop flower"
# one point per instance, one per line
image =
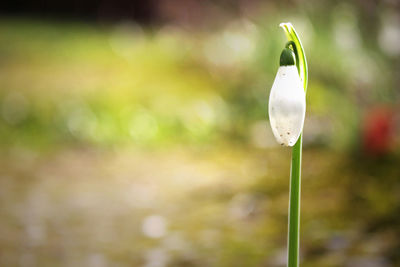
(287, 101)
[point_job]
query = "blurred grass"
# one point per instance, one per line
(67, 81)
(122, 84)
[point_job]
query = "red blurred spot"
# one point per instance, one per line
(378, 131)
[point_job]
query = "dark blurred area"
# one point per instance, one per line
(141, 11)
(144, 12)
(135, 133)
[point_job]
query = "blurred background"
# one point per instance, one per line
(136, 133)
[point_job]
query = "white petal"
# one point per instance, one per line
(287, 106)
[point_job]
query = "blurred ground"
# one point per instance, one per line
(126, 144)
(224, 207)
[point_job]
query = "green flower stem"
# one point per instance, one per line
(294, 205)
(295, 170)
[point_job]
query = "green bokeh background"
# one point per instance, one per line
(126, 144)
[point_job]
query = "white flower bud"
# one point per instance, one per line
(287, 106)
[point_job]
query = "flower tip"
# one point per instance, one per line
(287, 28)
(285, 24)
